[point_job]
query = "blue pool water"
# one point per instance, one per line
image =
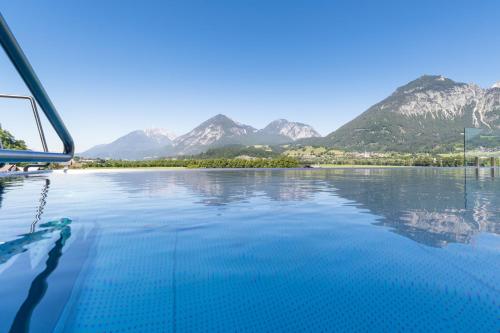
(410, 250)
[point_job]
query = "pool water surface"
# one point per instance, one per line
(361, 250)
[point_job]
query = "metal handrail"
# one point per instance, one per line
(23, 67)
(35, 114)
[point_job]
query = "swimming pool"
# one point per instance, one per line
(250, 251)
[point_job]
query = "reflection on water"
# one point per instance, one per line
(3, 183)
(41, 206)
(194, 250)
(21, 244)
(39, 285)
(10, 249)
(428, 206)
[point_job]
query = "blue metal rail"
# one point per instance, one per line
(23, 67)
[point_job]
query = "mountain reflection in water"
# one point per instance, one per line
(430, 206)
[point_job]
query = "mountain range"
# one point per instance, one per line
(215, 132)
(427, 114)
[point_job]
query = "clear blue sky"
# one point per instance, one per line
(115, 66)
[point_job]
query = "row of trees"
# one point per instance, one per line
(282, 162)
(233, 151)
(426, 160)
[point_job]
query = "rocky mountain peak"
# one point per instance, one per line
(427, 82)
(428, 113)
(159, 132)
(220, 118)
(218, 129)
(291, 130)
(435, 97)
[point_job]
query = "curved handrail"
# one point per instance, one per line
(23, 67)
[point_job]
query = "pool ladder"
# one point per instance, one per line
(39, 95)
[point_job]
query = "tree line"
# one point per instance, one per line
(435, 161)
(282, 162)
